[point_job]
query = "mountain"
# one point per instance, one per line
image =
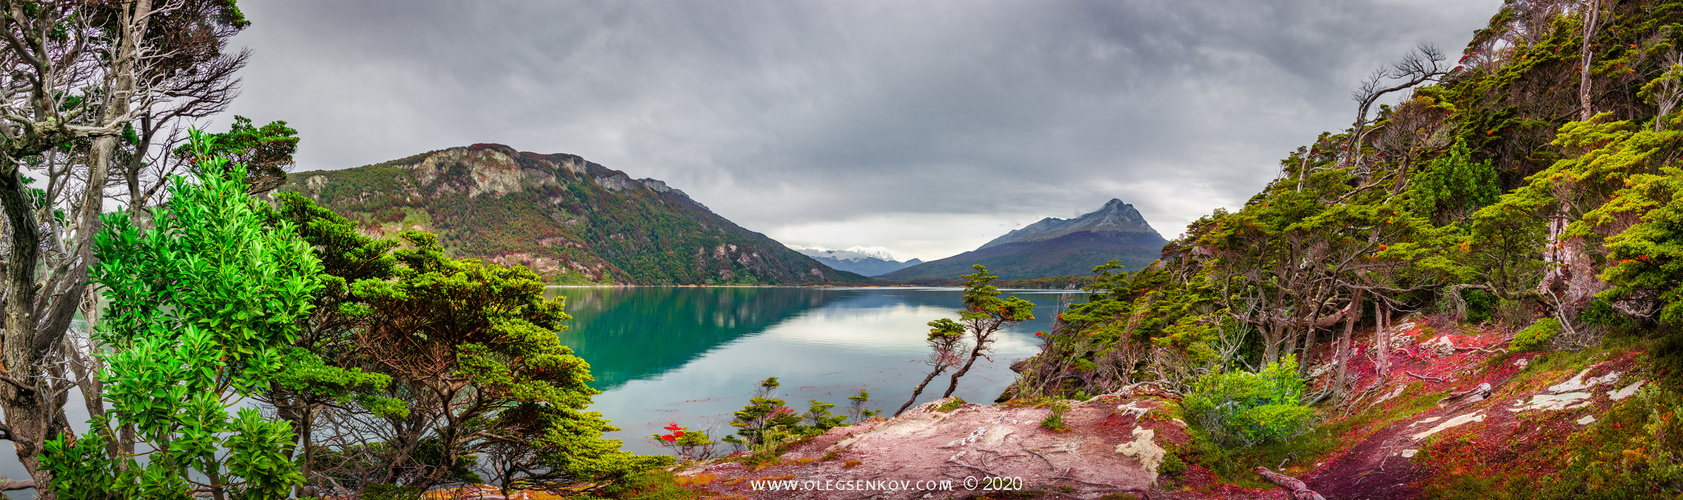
(1054, 247)
(865, 261)
(570, 220)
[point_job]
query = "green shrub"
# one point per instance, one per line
(1481, 305)
(1245, 409)
(950, 405)
(766, 426)
(390, 492)
(1536, 335)
(1055, 421)
(1602, 313)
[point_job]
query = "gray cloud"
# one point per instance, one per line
(825, 122)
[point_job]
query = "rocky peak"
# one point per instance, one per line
(1114, 217)
(498, 170)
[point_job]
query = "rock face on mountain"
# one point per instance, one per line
(1054, 247)
(858, 260)
(570, 220)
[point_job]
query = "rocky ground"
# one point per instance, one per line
(949, 449)
(1454, 399)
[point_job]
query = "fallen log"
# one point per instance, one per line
(1468, 396)
(13, 484)
(1299, 491)
(1423, 377)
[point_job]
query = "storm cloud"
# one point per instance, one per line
(926, 128)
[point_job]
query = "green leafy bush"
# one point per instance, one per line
(202, 309)
(1055, 421)
(1536, 335)
(1245, 409)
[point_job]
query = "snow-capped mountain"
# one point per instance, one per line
(869, 261)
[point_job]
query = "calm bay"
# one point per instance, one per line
(692, 356)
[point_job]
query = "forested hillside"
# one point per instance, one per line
(570, 220)
(1531, 185)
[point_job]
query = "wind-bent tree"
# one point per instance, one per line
(265, 151)
(472, 356)
(946, 341)
(983, 316)
(327, 374)
(1423, 64)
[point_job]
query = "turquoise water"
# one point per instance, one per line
(694, 355)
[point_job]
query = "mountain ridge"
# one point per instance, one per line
(566, 218)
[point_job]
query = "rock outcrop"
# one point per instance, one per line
(1113, 445)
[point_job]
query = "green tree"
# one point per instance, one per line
(983, 316)
(472, 352)
(1646, 270)
(202, 309)
(766, 424)
(326, 370)
(1454, 186)
(265, 151)
(764, 419)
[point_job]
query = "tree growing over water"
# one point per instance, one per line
(983, 316)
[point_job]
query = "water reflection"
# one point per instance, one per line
(632, 333)
(693, 355)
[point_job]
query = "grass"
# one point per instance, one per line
(416, 220)
(1551, 367)
(1302, 451)
(651, 485)
(1631, 452)
(950, 405)
(1383, 414)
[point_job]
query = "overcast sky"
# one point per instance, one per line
(924, 128)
